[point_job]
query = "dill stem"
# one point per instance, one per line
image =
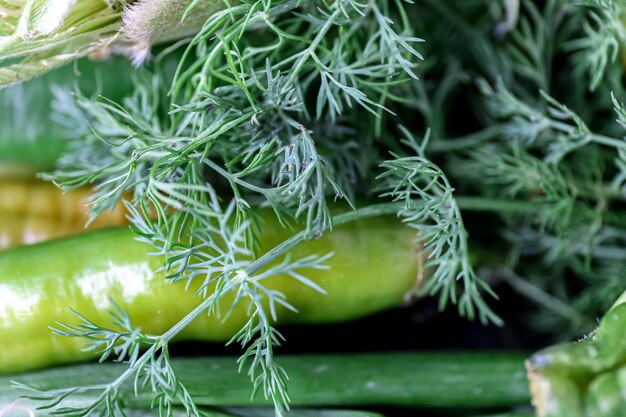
(476, 138)
(287, 245)
(610, 252)
(255, 266)
(308, 52)
(543, 298)
(607, 141)
(471, 140)
(498, 205)
(524, 207)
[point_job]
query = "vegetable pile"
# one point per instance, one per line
(300, 161)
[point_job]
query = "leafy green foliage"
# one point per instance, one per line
(293, 104)
(429, 207)
(549, 147)
(259, 108)
(603, 38)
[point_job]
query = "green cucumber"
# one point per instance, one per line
(16, 410)
(511, 414)
(427, 379)
(297, 412)
(28, 133)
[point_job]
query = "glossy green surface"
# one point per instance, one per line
(511, 414)
(374, 267)
(18, 410)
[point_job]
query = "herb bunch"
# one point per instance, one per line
(294, 104)
(285, 104)
(542, 146)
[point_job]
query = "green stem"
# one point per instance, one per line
(498, 205)
(307, 53)
(542, 298)
(128, 371)
(268, 257)
(469, 141)
(526, 207)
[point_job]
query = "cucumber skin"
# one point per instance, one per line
(425, 379)
(374, 266)
(28, 133)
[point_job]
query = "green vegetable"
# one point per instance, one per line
(89, 272)
(17, 409)
(287, 104)
(298, 412)
(585, 378)
(29, 132)
(513, 414)
(292, 104)
(417, 380)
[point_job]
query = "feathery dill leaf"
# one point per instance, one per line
(262, 107)
(545, 156)
(292, 104)
(604, 36)
(430, 207)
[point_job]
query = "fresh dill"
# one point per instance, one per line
(266, 105)
(547, 97)
(294, 104)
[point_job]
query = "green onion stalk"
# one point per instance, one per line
(37, 36)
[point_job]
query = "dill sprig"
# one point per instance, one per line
(604, 36)
(547, 156)
(293, 104)
(259, 108)
(430, 207)
(152, 369)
